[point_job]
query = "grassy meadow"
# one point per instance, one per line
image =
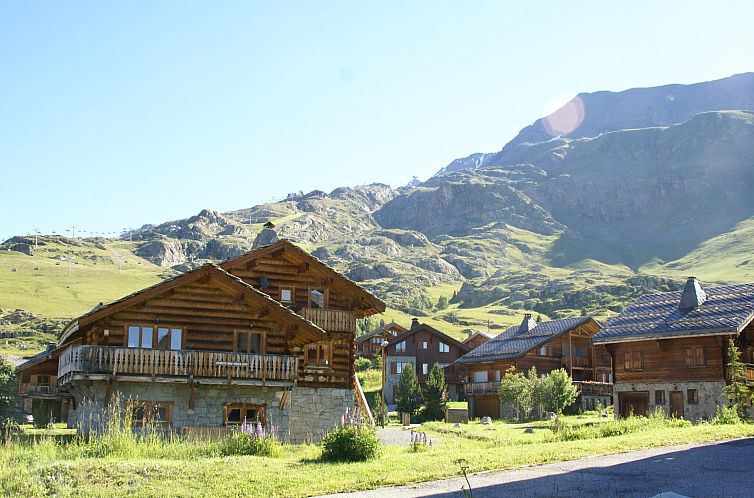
(157, 467)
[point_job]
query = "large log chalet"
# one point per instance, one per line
(268, 336)
(670, 349)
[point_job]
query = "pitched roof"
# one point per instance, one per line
(375, 303)
(726, 310)
(100, 311)
(518, 340)
(431, 330)
(380, 330)
(477, 333)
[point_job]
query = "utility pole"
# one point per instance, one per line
(36, 235)
(70, 263)
(72, 230)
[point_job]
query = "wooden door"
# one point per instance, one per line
(676, 404)
(636, 403)
(488, 406)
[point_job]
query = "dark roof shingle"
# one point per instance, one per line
(516, 340)
(726, 310)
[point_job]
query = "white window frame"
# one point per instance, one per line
(400, 347)
(444, 348)
(425, 368)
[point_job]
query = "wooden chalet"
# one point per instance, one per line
(268, 336)
(564, 343)
(670, 349)
(422, 346)
(370, 344)
(476, 338)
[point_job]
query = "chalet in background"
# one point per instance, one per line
(476, 338)
(564, 343)
(370, 344)
(670, 349)
(422, 346)
(267, 337)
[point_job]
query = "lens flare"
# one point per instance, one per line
(566, 119)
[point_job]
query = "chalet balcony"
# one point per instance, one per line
(107, 362)
(330, 320)
(38, 390)
(578, 361)
(749, 373)
(481, 388)
(589, 388)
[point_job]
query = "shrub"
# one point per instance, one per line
(8, 388)
(251, 439)
(353, 441)
(362, 364)
(726, 415)
(8, 428)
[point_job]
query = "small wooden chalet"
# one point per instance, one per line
(422, 346)
(370, 344)
(267, 336)
(564, 343)
(670, 349)
(476, 338)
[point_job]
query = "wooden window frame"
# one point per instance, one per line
(326, 297)
(691, 357)
(244, 407)
(630, 357)
(400, 349)
(293, 294)
(692, 400)
(154, 328)
(328, 355)
(440, 345)
(663, 399)
(424, 344)
(250, 332)
(149, 408)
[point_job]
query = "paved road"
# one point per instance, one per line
(710, 470)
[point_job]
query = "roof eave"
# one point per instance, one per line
(692, 333)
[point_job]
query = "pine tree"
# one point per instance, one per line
(434, 393)
(407, 392)
(737, 391)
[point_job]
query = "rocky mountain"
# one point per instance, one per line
(591, 114)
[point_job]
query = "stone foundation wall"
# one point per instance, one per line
(306, 416)
(711, 395)
(315, 411)
(391, 379)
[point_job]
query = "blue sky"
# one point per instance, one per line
(115, 114)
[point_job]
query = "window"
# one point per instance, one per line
(400, 347)
(424, 344)
(249, 342)
(317, 299)
(149, 413)
(444, 348)
(286, 295)
(497, 375)
(695, 356)
(425, 368)
(659, 397)
(376, 340)
(169, 338)
(481, 376)
(236, 413)
(692, 396)
(140, 337)
(632, 360)
(545, 351)
(399, 366)
(317, 356)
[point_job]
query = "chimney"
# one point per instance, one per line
(266, 237)
(50, 347)
(527, 324)
(693, 295)
(414, 323)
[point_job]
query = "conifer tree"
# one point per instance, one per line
(434, 393)
(407, 392)
(737, 391)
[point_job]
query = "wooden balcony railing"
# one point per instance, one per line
(578, 361)
(330, 320)
(130, 361)
(589, 388)
(481, 388)
(38, 390)
(749, 373)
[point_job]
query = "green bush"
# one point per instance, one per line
(243, 443)
(362, 364)
(726, 415)
(350, 444)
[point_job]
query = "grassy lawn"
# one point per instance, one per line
(190, 469)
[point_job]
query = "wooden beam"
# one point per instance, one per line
(302, 268)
